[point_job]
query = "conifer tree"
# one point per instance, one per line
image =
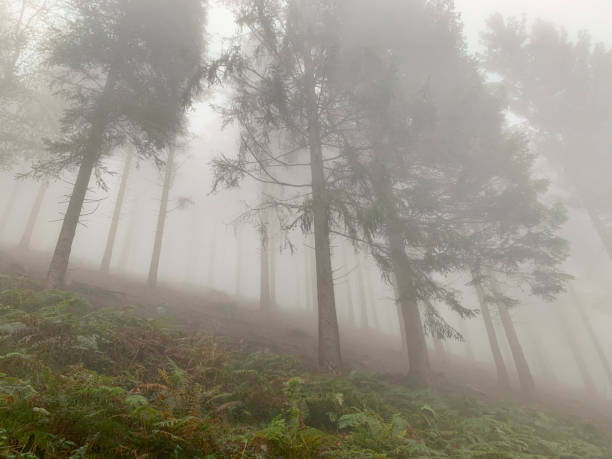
(127, 71)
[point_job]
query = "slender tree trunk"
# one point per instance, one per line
(329, 335)
(522, 367)
(370, 295)
(349, 288)
(312, 286)
(193, 247)
(577, 354)
(112, 233)
(363, 303)
(593, 336)
(26, 238)
(238, 261)
(538, 348)
(466, 340)
(272, 263)
(605, 238)
(264, 276)
(9, 206)
(502, 373)
(161, 220)
(439, 350)
(212, 258)
(400, 314)
(420, 369)
(308, 291)
(129, 235)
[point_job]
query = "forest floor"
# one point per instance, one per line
(281, 422)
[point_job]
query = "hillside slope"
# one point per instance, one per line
(78, 381)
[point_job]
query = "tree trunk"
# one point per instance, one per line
(112, 233)
(522, 367)
(420, 369)
(9, 206)
(329, 335)
(400, 314)
(161, 220)
(370, 295)
(308, 290)
(129, 235)
(593, 336)
(349, 288)
(264, 276)
(58, 268)
(605, 238)
(26, 238)
(238, 261)
(577, 354)
(272, 263)
(466, 340)
(502, 373)
(193, 247)
(538, 349)
(363, 303)
(212, 257)
(439, 350)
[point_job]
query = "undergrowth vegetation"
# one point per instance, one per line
(76, 382)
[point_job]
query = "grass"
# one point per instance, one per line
(77, 381)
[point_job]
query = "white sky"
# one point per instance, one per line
(574, 15)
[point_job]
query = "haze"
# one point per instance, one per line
(414, 193)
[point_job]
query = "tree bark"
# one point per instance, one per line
(26, 237)
(420, 369)
(112, 233)
(522, 367)
(502, 373)
(593, 336)
(329, 335)
(161, 220)
(6, 212)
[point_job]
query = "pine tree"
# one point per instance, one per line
(283, 93)
(126, 70)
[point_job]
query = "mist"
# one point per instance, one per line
(286, 210)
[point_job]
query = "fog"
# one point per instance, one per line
(476, 172)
